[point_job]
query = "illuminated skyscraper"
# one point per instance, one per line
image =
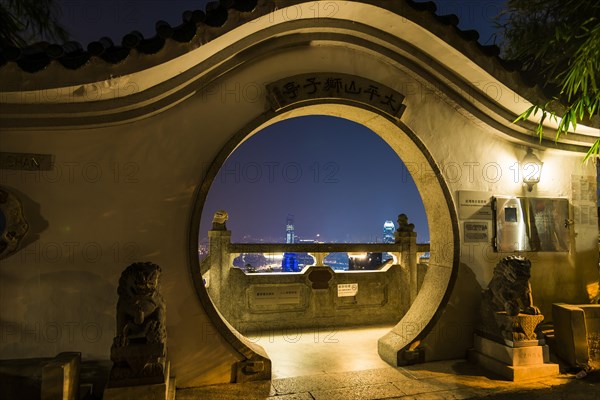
(388, 237)
(388, 232)
(289, 229)
(290, 260)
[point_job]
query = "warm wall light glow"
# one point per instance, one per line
(593, 290)
(531, 167)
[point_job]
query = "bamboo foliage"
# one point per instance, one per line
(559, 42)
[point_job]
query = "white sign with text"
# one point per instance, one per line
(474, 205)
(347, 289)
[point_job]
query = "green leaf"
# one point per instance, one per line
(594, 151)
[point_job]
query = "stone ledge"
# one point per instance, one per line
(510, 372)
(515, 356)
(158, 391)
(60, 377)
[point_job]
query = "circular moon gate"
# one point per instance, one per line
(397, 347)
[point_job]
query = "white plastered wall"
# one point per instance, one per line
(125, 193)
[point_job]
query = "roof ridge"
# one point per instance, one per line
(73, 56)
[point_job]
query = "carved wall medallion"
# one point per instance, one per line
(13, 226)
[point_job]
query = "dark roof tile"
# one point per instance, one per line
(427, 6)
(511, 65)
(55, 51)
(11, 53)
(115, 54)
(198, 16)
(75, 59)
(34, 61)
(489, 50)
(470, 34)
(151, 45)
(95, 48)
(244, 5)
(450, 19)
(163, 29)
(132, 39)
(184, 32)
(216, 14)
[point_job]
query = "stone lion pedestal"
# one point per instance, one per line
(164, 390)
(507, 341)
(523, 358)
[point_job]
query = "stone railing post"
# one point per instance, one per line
(319, 258)
(218, 251)
(219, 239)
(406, 237)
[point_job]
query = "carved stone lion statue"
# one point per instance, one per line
(510, 290)
(507, 304)
(404, 228)
(139, 347)
(219, 220)
(140, 309)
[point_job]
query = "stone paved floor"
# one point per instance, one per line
(296, 352)
(456, 379)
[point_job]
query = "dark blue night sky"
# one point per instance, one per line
(337, 178)
(89, 20)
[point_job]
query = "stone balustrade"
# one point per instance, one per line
(317, 296)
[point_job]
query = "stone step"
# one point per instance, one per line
(517, 356)
(515, 373)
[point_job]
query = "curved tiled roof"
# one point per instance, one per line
(72, 55)
(215, 17)
(72, 65)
